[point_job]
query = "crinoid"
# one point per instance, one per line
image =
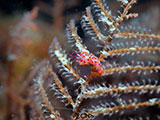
(110, 70)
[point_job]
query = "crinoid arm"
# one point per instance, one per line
(114, 73)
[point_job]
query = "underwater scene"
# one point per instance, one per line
(80, 60)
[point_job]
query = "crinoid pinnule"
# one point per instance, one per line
(126, 87)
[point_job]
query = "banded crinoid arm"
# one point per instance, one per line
(99, 25)
(126, 86)
(43, 104)
(85, 57)
(123, 101)
(109, 109)
(139, 68)
(136, 35)
(90, 26)
(104, 13)
(131, 50)
(132, 47)
(129, 32)
(74, 39)
(48, 89)
(132, 53)
(62, 63)
(70, 79)
(135, 50)
(52, 98)
(58, 88)
(139, 87)
(140, 60)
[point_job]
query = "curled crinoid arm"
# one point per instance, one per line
(105, 16)
(113, 72)
(73, 38)
(57, 53)
(92, 28)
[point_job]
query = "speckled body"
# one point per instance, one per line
(89, 59)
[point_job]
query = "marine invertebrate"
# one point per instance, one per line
(128, 79)
(86, 59)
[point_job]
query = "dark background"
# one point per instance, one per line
(12, 6)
